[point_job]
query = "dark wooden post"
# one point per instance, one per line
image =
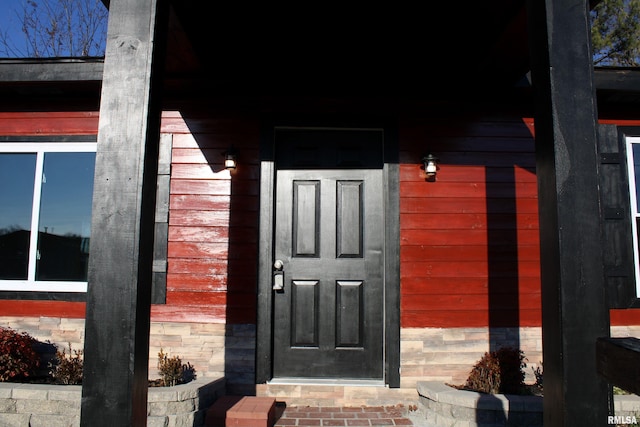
(114, 391)
(574, 308)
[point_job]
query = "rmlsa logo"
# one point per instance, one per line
(619, 419)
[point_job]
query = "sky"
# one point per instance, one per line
(9, 22)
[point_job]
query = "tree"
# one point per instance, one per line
(615, 33)
(57, 28)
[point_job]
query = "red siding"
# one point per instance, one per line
(625, 317)
(213, 218)
(469, 241)
(453, 274)
(58, 123)
(73, 310)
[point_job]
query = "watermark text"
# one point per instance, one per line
(622, 419)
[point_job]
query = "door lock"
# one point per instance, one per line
(278, 275)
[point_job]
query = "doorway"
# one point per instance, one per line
(325, 271)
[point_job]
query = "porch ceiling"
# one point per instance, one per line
(391, 47)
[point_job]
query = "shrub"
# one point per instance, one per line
(68, 367)
(620, 391)
(500, 371)
(173, 371)
(537, 372)
(18, 359)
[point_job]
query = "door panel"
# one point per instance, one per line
(349, 317)
(306, 218)
(329, 234)
(304, 313)
(349, 219)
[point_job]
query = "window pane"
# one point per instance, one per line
(17, 172)
(65, 216)
(636, 169)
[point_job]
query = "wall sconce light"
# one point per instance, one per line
(230, 158)
(430, 165)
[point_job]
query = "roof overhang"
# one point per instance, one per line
(68, 78)
(46, 84)
(385, 48)
(51, 70)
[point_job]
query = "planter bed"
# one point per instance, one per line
(446, 406)
(41, 405)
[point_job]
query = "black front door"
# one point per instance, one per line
(328, 320)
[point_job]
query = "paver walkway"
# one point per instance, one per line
(329, 416)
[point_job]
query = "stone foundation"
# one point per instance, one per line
(215, 350)
(447, 355)
(426, 354)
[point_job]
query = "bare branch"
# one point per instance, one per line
(56, 28)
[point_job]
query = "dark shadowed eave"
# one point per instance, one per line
(62, 84)
(51, 70)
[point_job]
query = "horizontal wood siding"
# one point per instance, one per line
(50, 123)
(213, 217)
(469, 245)
(469, 241)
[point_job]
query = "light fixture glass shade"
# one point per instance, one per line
(430, 165)
(431, 168)
(230, 160)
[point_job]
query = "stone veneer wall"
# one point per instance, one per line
(215, 350)
(448, 354)
(218, 350)
(426, 354)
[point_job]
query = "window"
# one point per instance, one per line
(633, 160)
(45, 215)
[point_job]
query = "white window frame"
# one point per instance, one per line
(635, 215)
(40, 148)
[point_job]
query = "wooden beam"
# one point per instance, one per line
(619, 362)
(50, 70)
(618, 79)
(574, 309)
(115, 383)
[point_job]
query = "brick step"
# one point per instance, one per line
(237, 411)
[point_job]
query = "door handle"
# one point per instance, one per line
(278, 275)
